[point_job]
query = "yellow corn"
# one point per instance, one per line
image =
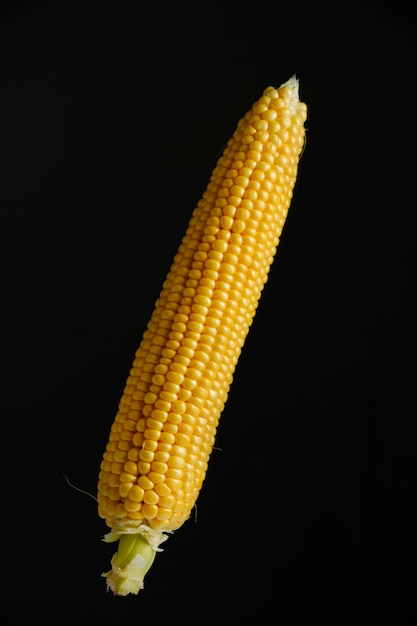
(161, 439)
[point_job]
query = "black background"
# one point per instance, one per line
(112, 119)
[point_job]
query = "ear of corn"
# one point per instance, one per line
(162, 436)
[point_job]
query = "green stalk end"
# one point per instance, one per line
(130, 564)
(135, 554)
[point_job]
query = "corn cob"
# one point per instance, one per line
(163, 433)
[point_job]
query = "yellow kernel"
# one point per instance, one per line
(177, 327)
(121, 512)
(221, 200)
(136, 493)
(147, 410)
(163, 514)
(136, 515)
(162, 455)
(247, 139)
(212, 321)
(200, 255)
(238, 226)
(189, 383)
(176, 462)
(180, 364)
(167, 502)
(152, 434)
(168, 396)
(150, 497)
(187, 350)
(159, 467)
(179, 450)
(261, 125)
(137, 440)
(174, 341)
(269, 115)
(259, 108)
(159, 415)
(174, 418)
(241, 181)
(247, 170)
(158, 379)
(247, 204)
(237, 190)
(130, 424)
(236, 200)
(226, 221)
(178, 406)
(145, 483)
(126, 435)
(254, 157)
(131, 506)
(230, 261)
(162, 489)
(200, 392)
(228, 211)
(219, 245)
(154, 424)
(172, 388)
(175, 472)
(252, 194)
(116, 468)
(175, 377)
(149, 511)
(168, 437)
(170, 428)
(174, 483)
(185, 429)
(210, 231)
(181, 438)
(181, 317)
(195, 316)
(196, 363)
(282, 160)
(113, 493)
(143, 467)
(196, 327)
(150, 398)
(125, 477)
(124, 489)
(125, 445)
(262, 137)
(212, 264)
(120, 456)
(150, 445)
(156, 477)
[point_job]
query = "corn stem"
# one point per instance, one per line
(130, 564)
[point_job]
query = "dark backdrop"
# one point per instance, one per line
(112, 118)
